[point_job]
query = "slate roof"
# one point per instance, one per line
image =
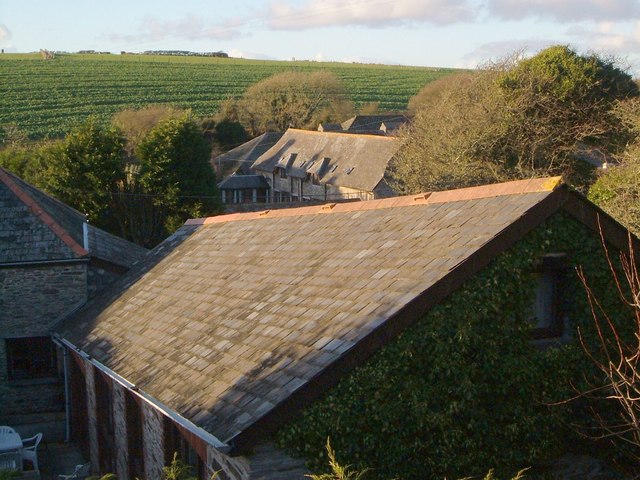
(35, 227)
(356, 161)
(240, 159)
(236, 321)
(236, 182)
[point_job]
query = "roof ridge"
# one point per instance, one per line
(345, 134)
(517, 187)
(40, 213)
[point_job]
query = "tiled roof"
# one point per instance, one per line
(356, 161)
(237, 320)
(36, 227)
(240, 159)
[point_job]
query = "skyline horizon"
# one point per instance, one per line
(422, 33)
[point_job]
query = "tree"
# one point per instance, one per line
(513, 119)
(28, 161)
(171, 181)
(291, 99)
(447, 143)
(83, 170)
(617, 189)
(555, 100)
(135, 124)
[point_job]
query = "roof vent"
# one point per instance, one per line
(422, 197)
(327, 208)
(349, 170)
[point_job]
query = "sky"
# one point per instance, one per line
(435, 33)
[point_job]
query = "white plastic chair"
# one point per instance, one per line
(5, 429)
(81, 471)
(10, 461)
(29, 449)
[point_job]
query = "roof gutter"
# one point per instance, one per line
(183, 422)
(36, 263)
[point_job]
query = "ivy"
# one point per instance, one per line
(465, 389)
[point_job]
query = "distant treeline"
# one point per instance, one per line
(185, 53)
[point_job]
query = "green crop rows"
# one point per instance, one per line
(47, 98)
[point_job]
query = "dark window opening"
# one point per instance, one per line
(30, 358)
(548, 310)
(175, 443)
(104, 417)
(135, 435)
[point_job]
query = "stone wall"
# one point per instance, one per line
(120, 431)
(92, 419)
(32, 298)
(323, 192)
(98, 279)
(19, 398)
(153, 441)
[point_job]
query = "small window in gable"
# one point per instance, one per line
(548, 310)
(30, 358)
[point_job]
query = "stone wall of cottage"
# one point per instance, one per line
(120, 431)
(266, 462)
(20, 399)
(301, 188)
(94, 452)
(98, 279)
(153, 441)
(33, 298)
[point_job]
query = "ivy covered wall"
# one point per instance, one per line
(465, 389)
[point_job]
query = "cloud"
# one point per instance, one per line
(565, 10)
(235, 53)
(5, 34)
(493, 51)
(191, 27)
(373, 13)
(622, 40)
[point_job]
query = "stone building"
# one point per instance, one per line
(51, 263)
(327, 166)
(237, 322)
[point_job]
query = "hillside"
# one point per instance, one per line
(48, 97)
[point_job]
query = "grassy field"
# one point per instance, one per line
(47, 98)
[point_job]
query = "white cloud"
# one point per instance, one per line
(374, 13)
(191, 27)
(493, 51)
(235, 53)
(565, 10)
(622, 40)
(5, 34)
